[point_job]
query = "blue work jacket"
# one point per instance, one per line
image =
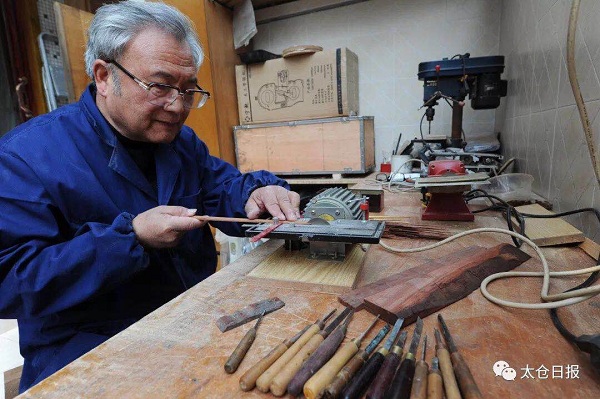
(71, 269)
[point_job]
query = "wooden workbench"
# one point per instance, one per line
(178, 351)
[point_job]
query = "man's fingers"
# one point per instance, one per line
(276, 200)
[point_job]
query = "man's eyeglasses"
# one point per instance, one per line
(163, 94)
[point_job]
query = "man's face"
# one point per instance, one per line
(152, 56)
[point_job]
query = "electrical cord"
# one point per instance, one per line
(550, 300)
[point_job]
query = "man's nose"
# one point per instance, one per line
(176, 106)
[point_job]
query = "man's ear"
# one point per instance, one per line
(101, 76)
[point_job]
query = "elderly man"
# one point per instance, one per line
(97, 197)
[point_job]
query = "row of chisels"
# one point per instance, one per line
(318, 364)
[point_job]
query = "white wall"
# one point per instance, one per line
(539, 119)
(391, 38)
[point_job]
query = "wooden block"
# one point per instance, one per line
(355, 298)
(591, 248)
(546, 232)
(297, 267)
(425, 289)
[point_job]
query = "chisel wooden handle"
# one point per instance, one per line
(450, 384)
(248, 380)
(318, 382)
(336, 386)
(467, 384)
(283, 378)
(402, 383)
(435, 388)
(384, 377)
(317, 360)
(263, 382)
(240, 351)
(419, 386)
(359, 384)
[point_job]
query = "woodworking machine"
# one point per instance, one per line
(332, 220)
(453, 80)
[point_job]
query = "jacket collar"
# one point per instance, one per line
(168, 164)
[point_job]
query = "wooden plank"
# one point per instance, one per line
(223, 58)
(424, 290)
(547, 232)
(450, 180)
(297, 267)
(71, 29)
(355, 298)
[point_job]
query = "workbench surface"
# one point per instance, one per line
(178, 351)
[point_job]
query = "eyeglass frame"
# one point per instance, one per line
(150, 85)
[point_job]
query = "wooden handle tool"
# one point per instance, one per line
(263, 382)
(232, 364)
(466, 382)
(450, 384)
(282, 379)
(248, 380)
(359, 384)
(321, 356)
(419, 386)
(402, 383)
(435, 388)
(336, 386)
(314, 387)
(386, 373)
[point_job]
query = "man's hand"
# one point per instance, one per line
(164, 226)
(276, 200)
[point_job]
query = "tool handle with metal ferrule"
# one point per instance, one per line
(232, 364)
(435, 388)
(318, 382)
(466, 382)
(384, 377)
(336, 386)
(282, 379)
(450, 384)
(419, 385)
(359, 384)
(402, 383)
(263, 382)
(248, 380)
(321, 356)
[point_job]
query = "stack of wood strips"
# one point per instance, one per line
(425, 289)
(395, 228)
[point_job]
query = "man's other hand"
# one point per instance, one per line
(276, 200)
(164, 226)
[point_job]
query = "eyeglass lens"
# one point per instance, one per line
(163, 95)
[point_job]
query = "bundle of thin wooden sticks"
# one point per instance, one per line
(395, 229)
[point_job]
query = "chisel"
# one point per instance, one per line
(419, 386)
(450, 384)
(317, 383)
(319, 357)
(361, 381)
(435, 388)
(336, 386)
(283, 378)
(248, 380)
(238, 354)
(264, 381)
(385, 375)
(402, 383)
(466, 382)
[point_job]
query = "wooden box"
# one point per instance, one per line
(317, 146)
